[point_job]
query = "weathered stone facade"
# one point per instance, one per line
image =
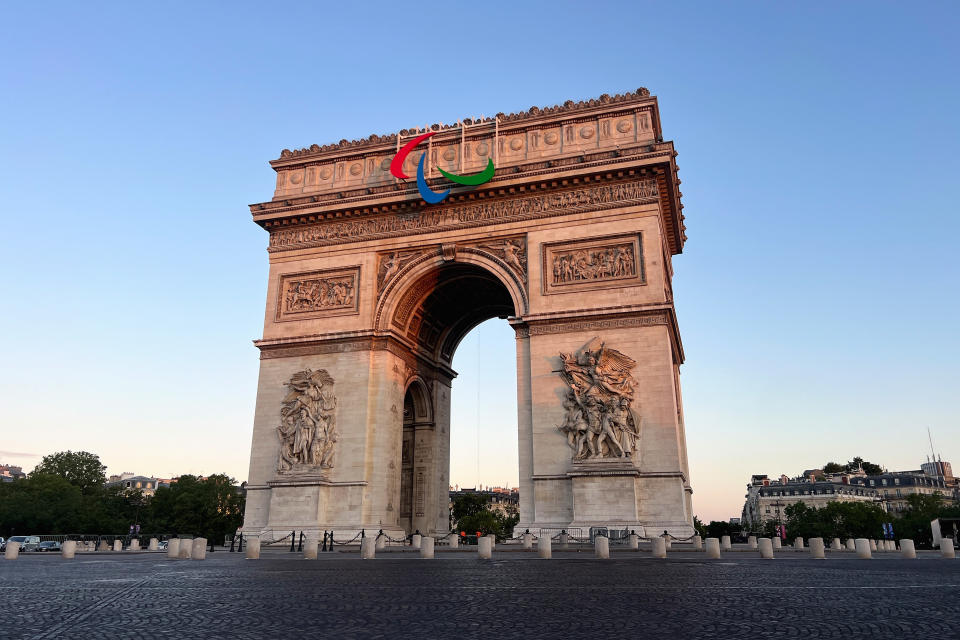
(571, 242)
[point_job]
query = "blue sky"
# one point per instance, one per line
(817, 294)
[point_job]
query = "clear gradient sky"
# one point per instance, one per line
(817, 294)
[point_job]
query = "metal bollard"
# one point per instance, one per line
(907, 550)
(331, 541)
(545, 546)
(300, 543)
(233, 541)
(324, 547)
(426, 547)
(863, 548)
(240, 544)
(712, 546)
(293, 536)
(765, 545)
(601, 547)
(816, 549)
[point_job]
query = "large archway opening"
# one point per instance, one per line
(435, 312)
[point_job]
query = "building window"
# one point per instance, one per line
(884, 482)
(896, 481)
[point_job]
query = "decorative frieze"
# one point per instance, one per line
(389, 264)
(458, 216)
(599, 324)
(594, 263)
(511, 251)
(316, 294)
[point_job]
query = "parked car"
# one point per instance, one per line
(27, 543)
(162, 545)
(48, 545)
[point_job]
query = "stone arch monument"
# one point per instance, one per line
(371, 289)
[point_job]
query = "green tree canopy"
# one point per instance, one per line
(471, 514)
(79, 468)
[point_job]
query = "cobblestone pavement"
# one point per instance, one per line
(456, 595)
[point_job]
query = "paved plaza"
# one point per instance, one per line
(456, 595)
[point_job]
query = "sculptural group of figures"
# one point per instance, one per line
(312, 295)
(607, 262)
(308, 425)
(599, 421)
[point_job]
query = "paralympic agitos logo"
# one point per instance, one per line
(430, 196)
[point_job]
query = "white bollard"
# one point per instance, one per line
(381, 543)
(12, 552)
(873, 545)
(545, 546)
(173, 548)
(835, 545)
(69, 549)
(752, 542)
(907, 550)
(601, 547)
(426, 547)
(668, 542)
(946, 548)
(415, 540)
(310, 547)
(725, 543)
(454, 540)
(798, 543)
(253, 547)
(199, 551)
(851, 544)
(633, 541)
(712, 546)
(186, 549)
(816, 549)
(484, 547)
(863, 548)
(153, 545)
(766, 548)
(659, 547)
(493, 541)
(528, 541)
(891, 545)
(777, 543)
(697, 543)
(564, 539)
(135, 544)
(103, 546)
(368, 548)
(118, 545)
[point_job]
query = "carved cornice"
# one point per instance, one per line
(478, 213)
(567, 107)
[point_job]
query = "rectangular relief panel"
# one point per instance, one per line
(594, 263)
(318, 294)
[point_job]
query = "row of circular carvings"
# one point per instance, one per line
(481, 150)
(569, 105)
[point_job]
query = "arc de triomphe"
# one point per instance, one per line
(371, 289)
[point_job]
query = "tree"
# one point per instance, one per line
(209, 507)
(471, 513)
(834, 467)
(869, 468)
(699, 527)
(80, 468)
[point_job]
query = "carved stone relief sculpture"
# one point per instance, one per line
(512, 251)
(599, 421)
(318, 293)
(308, 424)
(389, 264)
(594, 263)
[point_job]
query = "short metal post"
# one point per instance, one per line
(293, 541)
(300, 543)
(324, 540)
(240, 544)
(331, 541)
(211, 544)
